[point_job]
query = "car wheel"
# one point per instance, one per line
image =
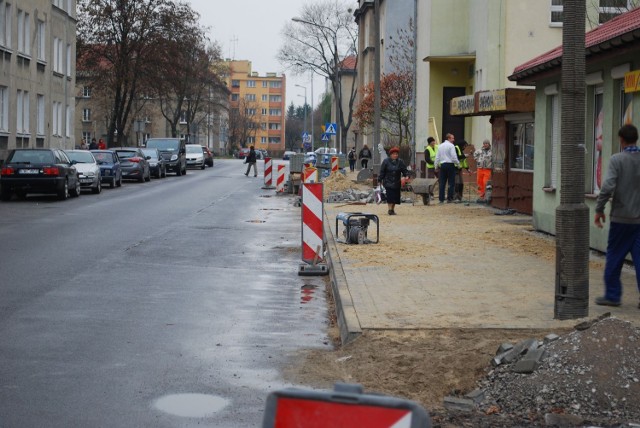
(75, 192)
(64, 192)
(96, 190)
(203, 165)
(148, 177)
(142, 178)
(5, 194)
(113, 182)
(164, 171)
(119, 183)
(179, 171)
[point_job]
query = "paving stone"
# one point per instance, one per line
(504, 348)
(530, 362)
(477, 395)
(456, 403)
(513, 354)
(551, 338)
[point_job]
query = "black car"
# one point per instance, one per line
(157, 163)
(38, 171)
(109, 163)
(134, 164)
(173, 151)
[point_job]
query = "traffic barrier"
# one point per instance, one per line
(312, 231)
(280, 179)
(310, 175)
(268, 176)
(334, 164)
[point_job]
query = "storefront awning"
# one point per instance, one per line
(499, 101)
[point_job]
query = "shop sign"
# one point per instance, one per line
(632, 81)
(463, 105)
(492, 100)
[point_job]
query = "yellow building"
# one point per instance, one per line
(259, 103)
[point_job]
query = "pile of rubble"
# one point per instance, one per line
(590, 376)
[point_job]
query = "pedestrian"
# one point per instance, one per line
(101, 145)
(364, 156)
(464, 165)
(430, 157)
(620, 185)
(352, 159)
(250, 160)
(83, 145)
(93, 145)
(446, 164)
(484, 167)
(391, 171)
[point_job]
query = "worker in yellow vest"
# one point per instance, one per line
(430, 157)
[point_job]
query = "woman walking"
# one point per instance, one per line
(391, 172)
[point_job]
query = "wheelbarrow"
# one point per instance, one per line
(423, 187)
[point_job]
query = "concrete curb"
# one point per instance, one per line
(346, 315)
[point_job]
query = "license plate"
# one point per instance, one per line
(29, 171)
(86, 180)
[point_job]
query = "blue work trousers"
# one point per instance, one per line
(447, 175)
(623, 239)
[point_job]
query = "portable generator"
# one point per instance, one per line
(356, 227)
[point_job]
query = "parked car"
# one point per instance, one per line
(38, 171)
(88, 169)
(134, 164)
(110, 170)
(326, 151)
(195, 156)
(310, 157)
(243, 152)
(156, 162)
(173, 152)
(287, 155)
(208, 156)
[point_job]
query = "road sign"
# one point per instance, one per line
(325, 137)
(307, 146)
(330, 128)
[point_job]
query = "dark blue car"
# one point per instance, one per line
(110, 171)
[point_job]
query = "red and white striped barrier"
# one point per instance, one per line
(280, 179)
(334, 164)
(312, 230)
(268, 176)
(310, 175)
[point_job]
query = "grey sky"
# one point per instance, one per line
(250, 30)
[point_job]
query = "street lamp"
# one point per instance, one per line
(305, 109)
(337, 84)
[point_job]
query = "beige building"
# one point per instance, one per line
(37, 74)
(262, 97)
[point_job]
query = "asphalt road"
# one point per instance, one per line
(173, 303)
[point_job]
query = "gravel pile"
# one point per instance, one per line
(590, 376)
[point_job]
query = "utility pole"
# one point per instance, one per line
(305, 110)
(376, 79)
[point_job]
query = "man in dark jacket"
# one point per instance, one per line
(250, 160)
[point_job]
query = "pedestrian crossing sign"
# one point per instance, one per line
(330, 128)
(325, 137)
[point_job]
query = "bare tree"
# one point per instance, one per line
(319, 40)
(243, 123)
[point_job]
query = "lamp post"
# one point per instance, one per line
(305, 109)
(337, 84)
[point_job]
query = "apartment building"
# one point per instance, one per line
(261, 98)
(37, 73)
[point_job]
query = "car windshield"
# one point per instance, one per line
(126, 154)
(164, 144)
(32, 156)
(150, 152)
(103, 157)
(194, 149)
(81, 157)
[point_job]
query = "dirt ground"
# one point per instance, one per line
(426, 365)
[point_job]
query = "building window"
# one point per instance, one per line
(251, 140)
(5, 21)
(183, 117)
(86, 136)
(250, 97)
(235, 83)
(553, 146)
(22, 112)
(58, 53)
(263, 140)
(251, 83)
(598, 121)
(521, 146)
(275, 98)
(56, 118)
(86, 91)
(274, 126)
(265, 84)
(263, 126)
(4, 109)
(69, 121)
(40, 115)
(557, 8)
(274, 140)
(68, 60)
(86, 115)
(250, 111)
(42, 41)
(275, 84)
(264, 111)
(235, 97)
(24, 33)
(609, 9)
(275, 112)
(265, 97)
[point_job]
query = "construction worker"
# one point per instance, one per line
(464, 164)
(430, 157)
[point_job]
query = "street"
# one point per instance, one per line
(113, 305)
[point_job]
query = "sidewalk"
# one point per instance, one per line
(453, 266)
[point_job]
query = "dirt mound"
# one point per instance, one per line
(338, 182)
(593, 375)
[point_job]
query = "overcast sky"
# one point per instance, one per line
(250, 30)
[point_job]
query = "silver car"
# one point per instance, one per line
(195, 156)
(88, 169)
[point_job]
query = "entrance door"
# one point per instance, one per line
(452, 124)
